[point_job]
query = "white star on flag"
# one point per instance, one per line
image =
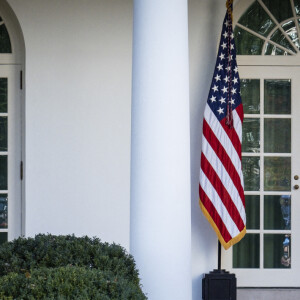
(220, 67)
(215, 88)
(218, 78)
(222, 100)
(224, 89)
(222, 56)
(213, 99)
(220, 110)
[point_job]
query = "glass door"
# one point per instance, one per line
(10, 153)
(268, 254)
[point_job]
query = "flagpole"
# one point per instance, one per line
(219, 256)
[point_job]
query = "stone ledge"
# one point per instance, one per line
(268, 294)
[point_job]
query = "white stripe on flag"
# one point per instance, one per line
(219, 168)
(218, 204)
(222, 136)
(237, 124)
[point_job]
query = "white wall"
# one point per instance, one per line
(205, 20)
(78, 95)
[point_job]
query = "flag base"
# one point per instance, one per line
(219, 285)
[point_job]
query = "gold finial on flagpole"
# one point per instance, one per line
(229, 9)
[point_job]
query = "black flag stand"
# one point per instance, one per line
(219, 284)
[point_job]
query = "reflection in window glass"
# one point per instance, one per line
(3, 172)
(277, 96)
(290, 28)
(277, 174)
(246, 252)
(257, 20)
(271, 49)
(277, 135)
(280, 9)
(3, 133)
(277, 251)
(250, 93)
(251, 135)
(247, 43)
(252, 211)
(3, 237)
(251, 171)
(297, 7)
(3, 211)
(279, 38)
(3, 95)
(5, 46)
(277, 212)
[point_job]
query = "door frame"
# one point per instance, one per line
(274, 277)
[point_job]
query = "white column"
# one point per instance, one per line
(160, 156)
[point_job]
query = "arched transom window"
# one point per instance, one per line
(269, 27)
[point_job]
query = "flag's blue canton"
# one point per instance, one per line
(226, 67)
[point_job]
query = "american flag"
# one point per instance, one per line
(221, 187)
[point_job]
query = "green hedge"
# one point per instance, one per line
(68, 283)
(47, 263)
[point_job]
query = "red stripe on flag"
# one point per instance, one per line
(214, 215)
(222, 192)
(240, 112)
(233, 136)
(224, 158)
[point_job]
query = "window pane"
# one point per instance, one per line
(277, 251)
(3, 133)
(250, 93)
(3, 95)
(5, 46)
(290, 28)
(3, 237)
(277, 212)
(247, 43)
(277, 135)
(251, 136)
(246, 252)
(277, 174)
(280, 9)
(3, 172)
(297, 7)
(251, 172)
(252, 211)
(257, 19)
(279, 38)
(273, 50)
(277, 96)
(3, 211)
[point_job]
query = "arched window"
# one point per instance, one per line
(269, 27)
(11, 124)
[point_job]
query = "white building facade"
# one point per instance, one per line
(104, 113)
